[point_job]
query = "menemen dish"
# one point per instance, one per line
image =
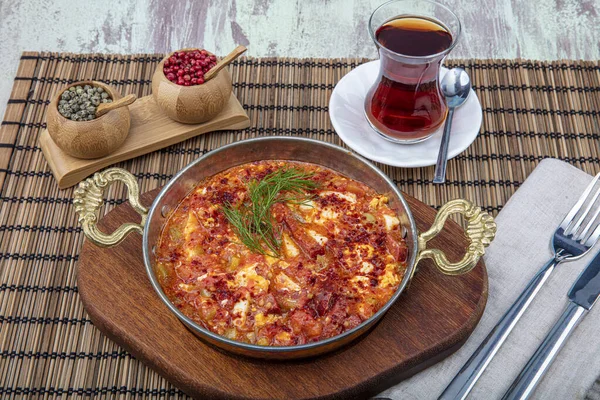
(281, 253)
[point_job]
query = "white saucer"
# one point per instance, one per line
(346, 110)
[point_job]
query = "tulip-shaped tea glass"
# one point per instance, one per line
(405, 104)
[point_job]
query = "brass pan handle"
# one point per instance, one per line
(481, 230)
(88, 200)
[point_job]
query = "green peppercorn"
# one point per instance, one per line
(80, 103)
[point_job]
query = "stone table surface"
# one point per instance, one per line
(544, 30)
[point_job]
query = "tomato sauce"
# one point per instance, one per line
(342, 258)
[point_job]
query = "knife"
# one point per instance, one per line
(582, 296)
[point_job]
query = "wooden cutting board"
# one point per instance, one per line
(430, 321)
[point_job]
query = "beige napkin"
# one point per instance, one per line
(521, 247)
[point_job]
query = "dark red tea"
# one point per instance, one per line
(416, 37)
(407, 103)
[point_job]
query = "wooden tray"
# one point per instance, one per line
(150, 130)
(430, 321)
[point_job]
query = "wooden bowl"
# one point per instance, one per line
(191, 104)
(89, 139)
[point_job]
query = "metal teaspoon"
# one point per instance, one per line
(456, 87)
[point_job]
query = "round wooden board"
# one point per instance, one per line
(430, 321)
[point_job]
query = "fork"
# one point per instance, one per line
(572, 239)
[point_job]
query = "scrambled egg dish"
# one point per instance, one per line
(341, 258)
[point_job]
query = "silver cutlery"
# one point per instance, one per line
(574, 237)
(456, 87)
(582, 296)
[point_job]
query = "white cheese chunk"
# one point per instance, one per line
(319, 238)
(349, 197)
(366, 267)
(240, 312)
(240, 309)
(247, 274)
(327, 214)
(390, 222)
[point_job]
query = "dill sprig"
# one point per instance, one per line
(253, 222)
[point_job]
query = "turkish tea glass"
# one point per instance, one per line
(406, 104)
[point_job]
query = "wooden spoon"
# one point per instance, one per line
(103, 108)
(238, 51)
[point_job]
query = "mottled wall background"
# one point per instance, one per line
(537, 29)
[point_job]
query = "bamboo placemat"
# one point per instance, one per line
(48, 346)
